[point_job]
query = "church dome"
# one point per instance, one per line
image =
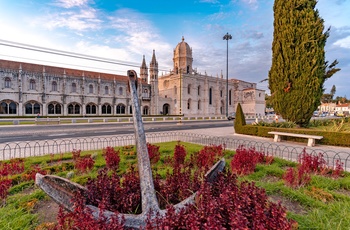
(183, 58)
(183, 49)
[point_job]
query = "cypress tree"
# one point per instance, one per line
(298, 70)
(240, 119)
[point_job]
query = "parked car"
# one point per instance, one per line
(231, 116)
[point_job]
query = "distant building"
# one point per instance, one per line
(327, 107)
(29, 89)
(342, 108)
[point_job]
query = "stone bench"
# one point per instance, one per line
(310, 142)
(47, 121)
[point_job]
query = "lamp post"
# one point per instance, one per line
(180, 122)
(227, 37)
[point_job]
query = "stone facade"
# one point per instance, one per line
(185, 91)
(30, 90)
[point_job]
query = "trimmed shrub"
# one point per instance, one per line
(240, 119)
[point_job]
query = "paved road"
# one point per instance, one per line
(36, 133)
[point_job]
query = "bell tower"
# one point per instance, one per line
(153, 72)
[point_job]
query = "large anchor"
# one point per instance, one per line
(62, 190)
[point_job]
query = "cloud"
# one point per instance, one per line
(70, 3)
(136, 33)
(344, 43)
(209, 1)
(80, 20)
(340, 2)
(253, 4)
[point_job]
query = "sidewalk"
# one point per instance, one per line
(230, 133)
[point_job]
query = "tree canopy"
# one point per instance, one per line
(298, 70)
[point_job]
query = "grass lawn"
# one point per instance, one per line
(322, 204)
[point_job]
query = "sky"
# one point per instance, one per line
(125, 30)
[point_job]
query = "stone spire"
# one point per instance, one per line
(153, 71)
(144, 71)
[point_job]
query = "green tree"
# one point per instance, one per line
(333, 90)
(298, 70)
(268, 101)
(326, 98)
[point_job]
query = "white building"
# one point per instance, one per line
(30, 89)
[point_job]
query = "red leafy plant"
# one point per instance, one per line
(82, 218)
(153, 152)
(76, 153)
(245, 160)
(307, 164)
(179, 155)
(5, 184)
(208, 155)
(296, 177)
(30, 173)
(15, 166)
(338, 169)
(312, 163)
(84, 164)
(117, 194)
(225, 204)
(112, 158)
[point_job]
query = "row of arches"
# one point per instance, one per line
(73, 87)
(54, 108)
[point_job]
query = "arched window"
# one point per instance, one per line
(120, 90)
(222, 107)
(106, 109)
(175, 90)
(54, 86)
(54, 108)
(7, 82)
(145, 110)
(8, 107)
(230, 97)
(120, 109)
(106, 90)
(220, 93)
(4, 108)
(210, 96)
(90, 109)
(189, 104)
(199, 90)
(145, 93)
(189, 89)
(32, 107)
(74, 87)
(32, 85)
(12, 108)
(91, 89)
(199, 105)
(166, 109)
(73, 108)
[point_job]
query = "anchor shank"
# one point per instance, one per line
(148, 195)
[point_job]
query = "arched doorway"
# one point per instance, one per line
(222, 107)
(166, 109)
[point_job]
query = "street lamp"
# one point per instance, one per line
(227, 37)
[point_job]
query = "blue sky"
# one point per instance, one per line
(125, 30)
